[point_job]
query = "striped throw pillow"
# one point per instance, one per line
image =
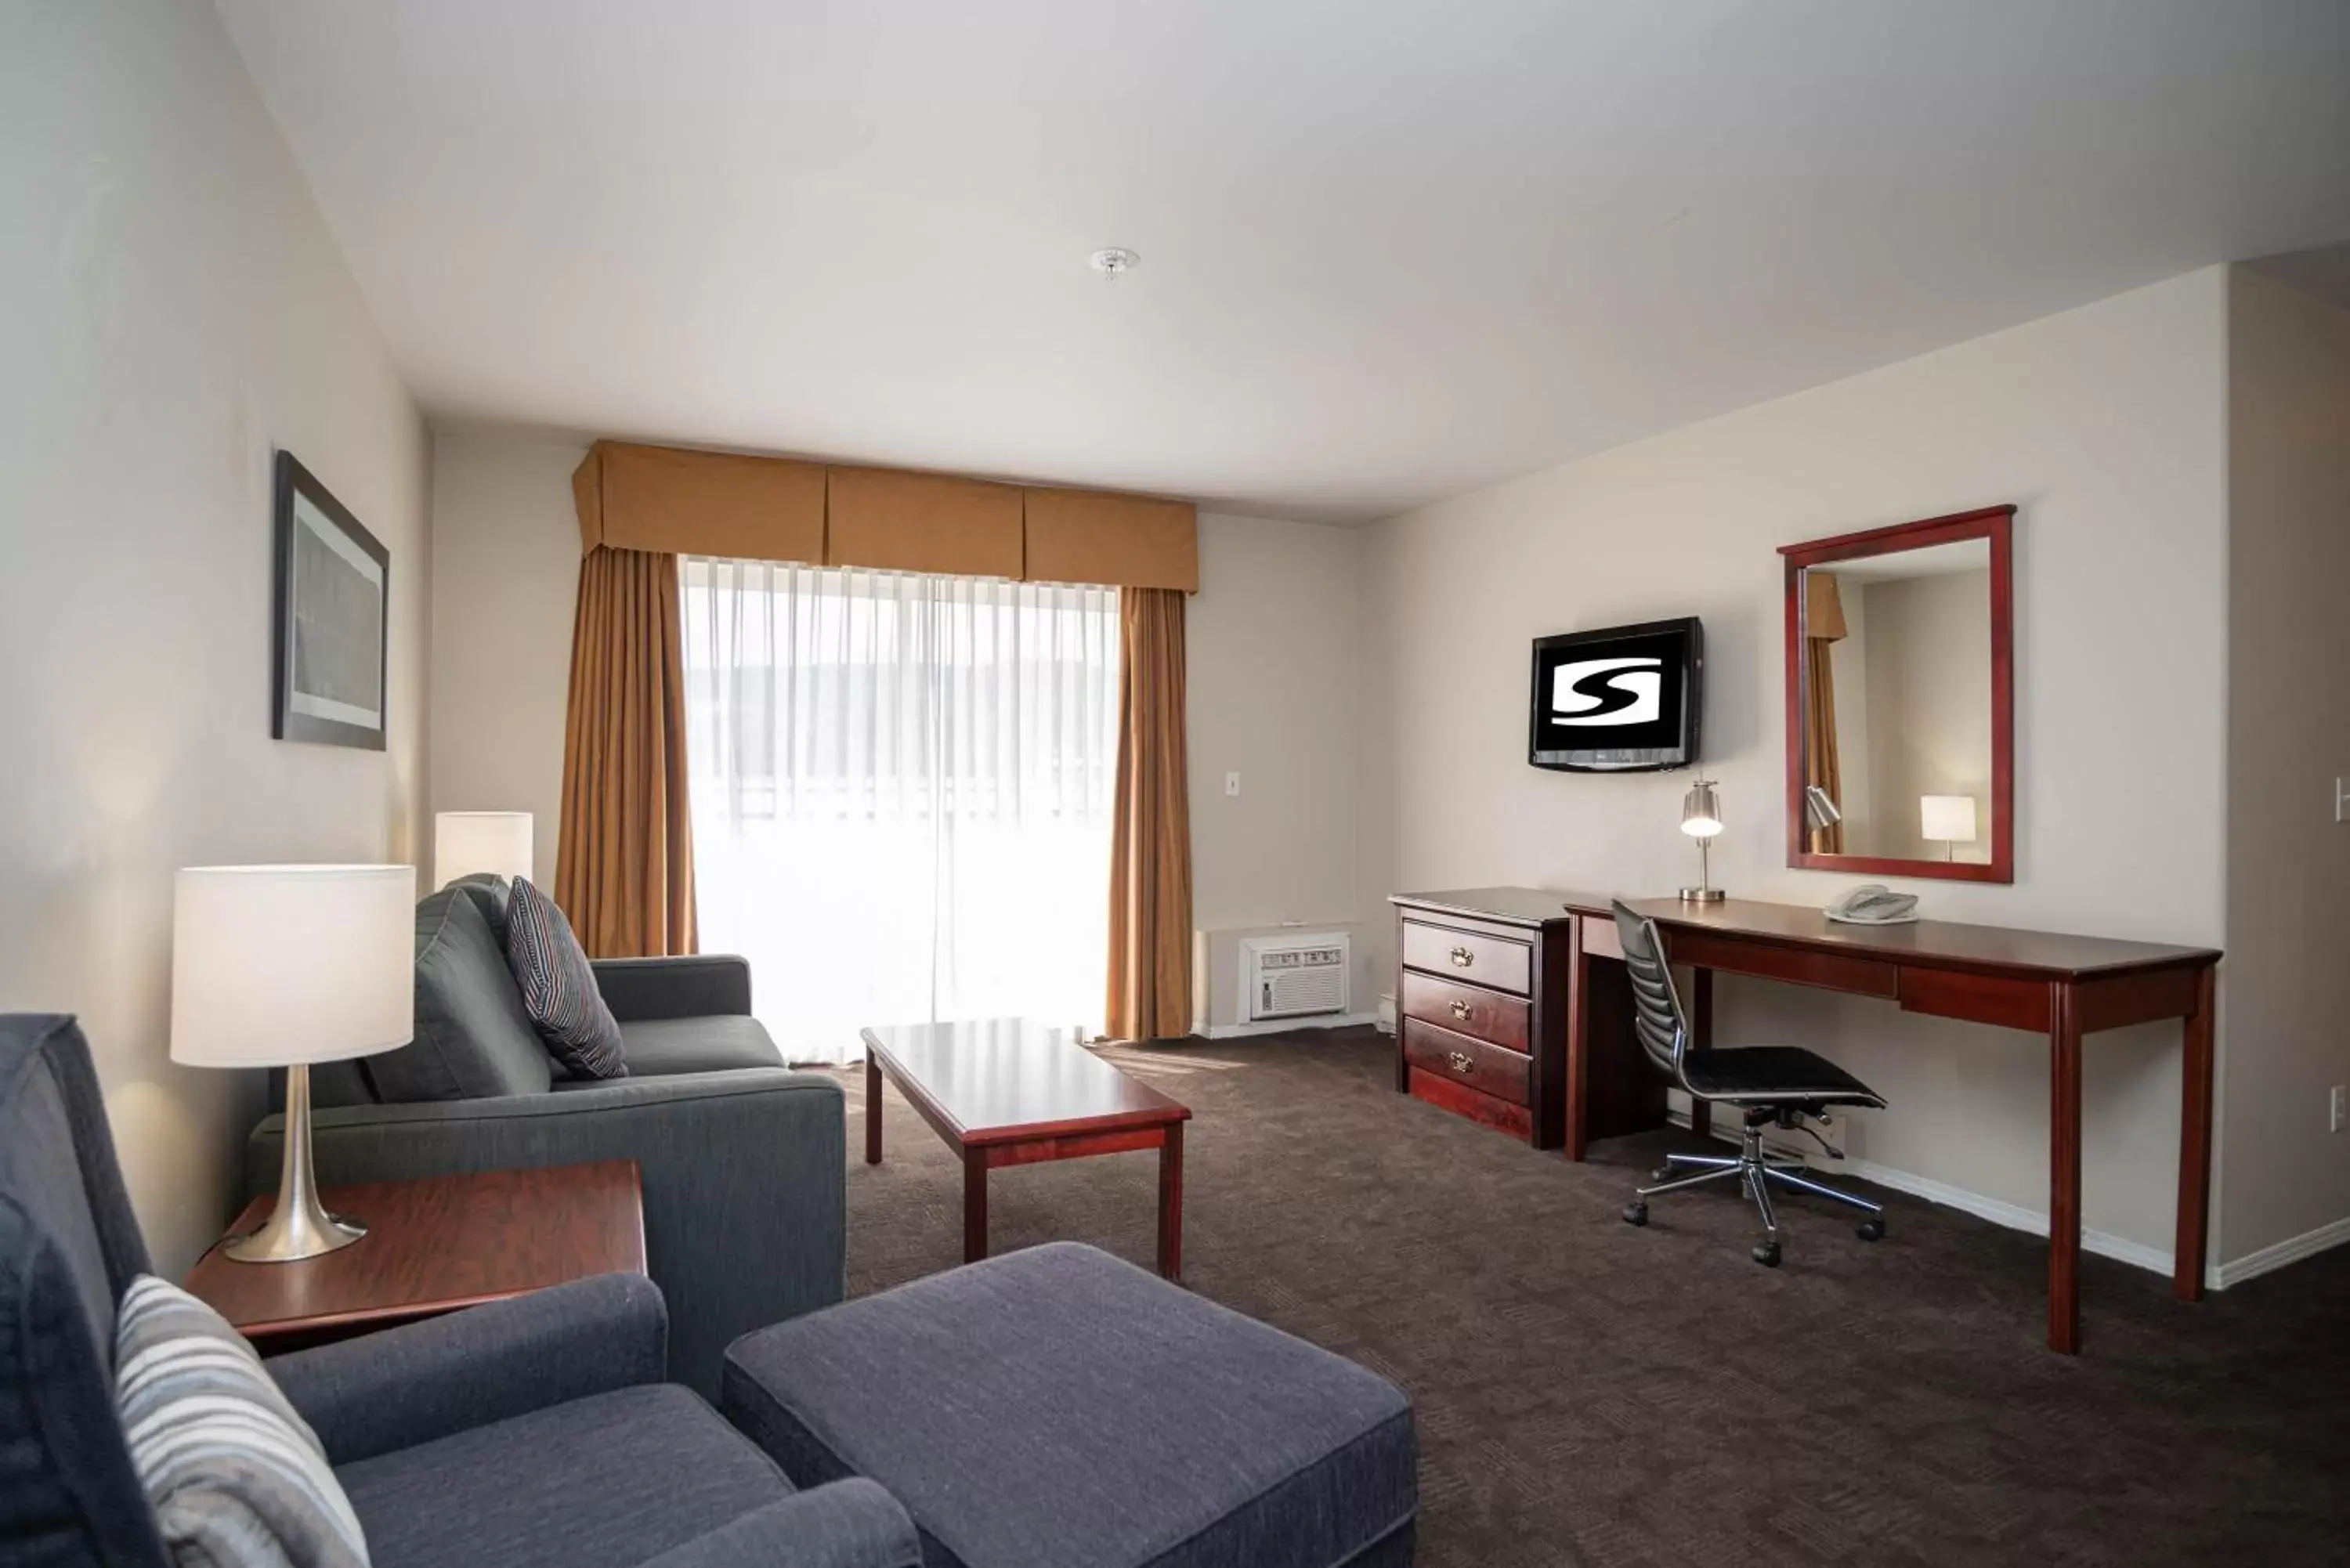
(558, 986)
(235, 1476)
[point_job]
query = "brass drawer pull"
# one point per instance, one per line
(1460, 1061)
(1462, 1011)
(1463, 957)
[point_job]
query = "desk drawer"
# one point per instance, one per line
(1487, 1068)
(1466, 1009)
(1466, 955)
(1797, 966)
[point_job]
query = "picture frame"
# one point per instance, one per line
(331, 617)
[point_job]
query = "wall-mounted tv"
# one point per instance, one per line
(1626, 700)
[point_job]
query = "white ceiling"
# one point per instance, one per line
(1391, 250)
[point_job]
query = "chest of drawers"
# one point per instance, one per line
(1484, 982)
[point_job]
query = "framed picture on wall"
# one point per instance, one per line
(334, 586)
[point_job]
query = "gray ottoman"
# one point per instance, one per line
(1059, 1408)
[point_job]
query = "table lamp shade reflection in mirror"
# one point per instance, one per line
(282, 966)
(1947, 820)
(472, 843)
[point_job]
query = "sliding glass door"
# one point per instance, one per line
(901, 793)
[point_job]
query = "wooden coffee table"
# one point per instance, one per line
(1003, 1091)
(433, 1245)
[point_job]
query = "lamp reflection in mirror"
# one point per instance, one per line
(1947, 820)
(1819, 811)
(1701, 820)
(281, 966)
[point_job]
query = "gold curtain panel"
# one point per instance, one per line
(899, 522)
(667, 500)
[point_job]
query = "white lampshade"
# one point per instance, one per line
(465, 843)
(1947, 818)
(275, 965)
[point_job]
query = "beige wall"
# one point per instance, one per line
(1272, 697)
(176, 311)
(1270, 634)
(2284, 1175)
(2105, 426)
(506, 573)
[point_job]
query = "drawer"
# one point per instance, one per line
(1487, 1068)
(1467, 955)
(1797, 966)
(1465, 1009)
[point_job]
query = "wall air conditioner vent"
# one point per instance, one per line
(1303, 976)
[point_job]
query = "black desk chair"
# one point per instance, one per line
(1779, 1085)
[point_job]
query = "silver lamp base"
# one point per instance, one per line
(298, 1227)
(1703, 894)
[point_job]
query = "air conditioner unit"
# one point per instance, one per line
(1296, 976)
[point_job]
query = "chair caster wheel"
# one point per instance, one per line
(1871, 1230)
(1636, 1213)
(1767, 1253)
(1662, 1173)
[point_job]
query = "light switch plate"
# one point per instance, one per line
(2342, 800)
(1231, 783)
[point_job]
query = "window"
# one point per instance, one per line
(901, 791)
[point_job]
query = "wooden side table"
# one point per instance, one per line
(433, 1245)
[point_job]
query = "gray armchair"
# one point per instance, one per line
(744, 1162)
(537, 1430)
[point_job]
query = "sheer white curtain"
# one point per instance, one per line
(901, 793)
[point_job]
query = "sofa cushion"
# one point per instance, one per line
(491, 894)
(558, 986)
(1074, 1410)
(473, 1038)
(660, 1047)
(234, 1474)
(607, 1481)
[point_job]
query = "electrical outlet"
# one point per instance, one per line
(2342, 800)
(2333, 1106)
(1231, 783)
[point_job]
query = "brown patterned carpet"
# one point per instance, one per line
(1591, 1394)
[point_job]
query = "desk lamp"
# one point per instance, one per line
(1701, 820)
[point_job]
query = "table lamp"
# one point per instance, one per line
(1947, 820)
(281, 966)
(1701, 820)
(467, 842)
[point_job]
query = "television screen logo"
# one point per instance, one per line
(1607, 691)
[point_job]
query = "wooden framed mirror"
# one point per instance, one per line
(1901, 700)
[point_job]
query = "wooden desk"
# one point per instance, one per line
(2066, 987)
(432, 1246)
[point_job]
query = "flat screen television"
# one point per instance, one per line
(1624, 700)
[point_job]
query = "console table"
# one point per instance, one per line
(2065, 987)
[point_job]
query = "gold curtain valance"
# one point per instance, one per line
(1822, 607)
(680, 501)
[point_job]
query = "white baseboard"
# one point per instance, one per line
(2012, 1215)
(2292, 1250)
(1289, 1025)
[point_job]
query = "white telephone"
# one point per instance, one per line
(1874, 904)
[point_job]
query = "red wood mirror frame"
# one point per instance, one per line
(1993, 523)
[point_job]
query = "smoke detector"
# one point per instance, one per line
(1113, 260)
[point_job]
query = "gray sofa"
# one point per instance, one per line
(743, 1161)
(534, 1432)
